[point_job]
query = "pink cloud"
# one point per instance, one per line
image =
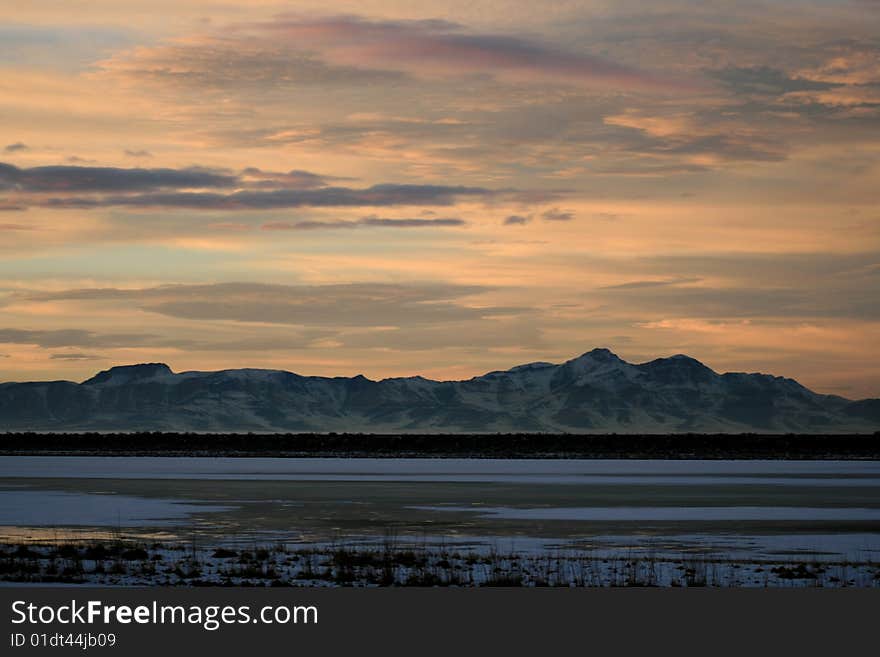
(441, 48)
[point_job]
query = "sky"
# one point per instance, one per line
(395, 188)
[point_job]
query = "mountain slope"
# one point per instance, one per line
(596, 392)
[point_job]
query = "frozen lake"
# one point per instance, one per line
(54, 508)
(827, 508)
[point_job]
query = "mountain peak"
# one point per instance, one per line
(597, 362)
(127, 373)
(599, 355)
(682, 360)
(678, 370)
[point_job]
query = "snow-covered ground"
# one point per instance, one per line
(129, 564)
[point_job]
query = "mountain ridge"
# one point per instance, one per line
(596, 392)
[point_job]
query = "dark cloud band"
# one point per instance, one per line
(108, 179)
(379, 222)
(80, 187)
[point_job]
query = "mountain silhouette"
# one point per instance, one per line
(597, 392)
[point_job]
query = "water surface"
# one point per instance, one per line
(827, 508)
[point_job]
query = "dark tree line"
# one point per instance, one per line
(678, 446)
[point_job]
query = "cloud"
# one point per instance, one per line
(847, 82)
(353, 304)
(294, 179)
(137, 153)
(753, 303)
(75, 356)
(812, 270)
(366, 221)
(14, 148)
(239, 63)
(249, 317)
(643, 284)
(375, 196)
(765, 80)
(107, 179)
(848, 63)
(197, 188)
(440, 47)
(203, 341)
(293, 50)
(733, 147)
(411, 223)
(557, 215)
(516, 219)
(696, 139)
(54, 338)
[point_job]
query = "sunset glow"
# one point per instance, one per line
(395, 188)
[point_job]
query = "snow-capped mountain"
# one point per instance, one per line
(594, 393)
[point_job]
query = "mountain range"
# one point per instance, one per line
(594, 393)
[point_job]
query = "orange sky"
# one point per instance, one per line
(393, 188)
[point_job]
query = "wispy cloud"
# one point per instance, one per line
(766, 81)
(379, 222)
(633, 285)
(355, 304)
(556, 214)
(375, 196)
(54, 338)
(433, 46)
(303, 50)
(74, 357)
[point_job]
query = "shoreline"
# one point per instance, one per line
(466, 446)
